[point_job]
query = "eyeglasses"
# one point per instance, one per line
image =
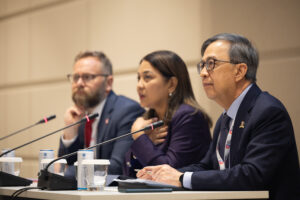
(73, 78)
(210, 64)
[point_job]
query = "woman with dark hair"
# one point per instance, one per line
(165, 89)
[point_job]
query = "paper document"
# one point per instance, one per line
(143, 182)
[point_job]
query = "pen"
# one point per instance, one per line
(137, 170)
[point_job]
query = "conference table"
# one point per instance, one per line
(111, 193)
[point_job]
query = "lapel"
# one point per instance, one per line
(241, 121)
(105, 119)
(217, 131)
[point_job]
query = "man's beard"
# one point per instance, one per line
(87, 100)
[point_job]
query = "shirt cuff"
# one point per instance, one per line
(187, 180)
(67, 143)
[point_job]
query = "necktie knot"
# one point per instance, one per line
(90, 121)
(225, 122)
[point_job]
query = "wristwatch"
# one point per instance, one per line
(181, 179)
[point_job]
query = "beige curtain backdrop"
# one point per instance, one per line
(39, 39)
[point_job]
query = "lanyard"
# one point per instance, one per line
(226, 148)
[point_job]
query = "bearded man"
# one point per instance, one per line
(92, 81)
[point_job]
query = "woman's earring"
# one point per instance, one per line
(170, 94)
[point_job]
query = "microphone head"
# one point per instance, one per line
(93, 116)
(51, 117)
(154, 125)
(89, 117)
(46, 119)
(158, 123)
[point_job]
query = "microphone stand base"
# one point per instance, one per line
(51, 181)
(12, 180)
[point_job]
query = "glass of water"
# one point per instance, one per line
(58, 167)
(11, 165)
(95, 172)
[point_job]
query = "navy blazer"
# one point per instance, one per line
(263, 154)
(116, 119)
(187, 142)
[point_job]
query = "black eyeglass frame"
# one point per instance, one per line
(205, 64)
(91, 77)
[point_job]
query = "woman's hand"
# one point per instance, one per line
(158, 135)
(140, 123)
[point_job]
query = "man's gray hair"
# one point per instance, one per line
(241, 51)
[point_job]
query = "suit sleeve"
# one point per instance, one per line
(124, 123)
(270, 134)
(188, 140)
(207, 162)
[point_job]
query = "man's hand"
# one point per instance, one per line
(72, 115)
(162, 174)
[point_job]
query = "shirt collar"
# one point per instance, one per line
(98, 109)
(232, 111)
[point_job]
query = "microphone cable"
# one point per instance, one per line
(20, 191)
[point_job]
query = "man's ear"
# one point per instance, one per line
(109, 83)
(173, 82)
(241, 71)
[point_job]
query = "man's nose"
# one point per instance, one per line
(203, 72)
(80, 81)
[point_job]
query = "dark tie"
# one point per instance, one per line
(223, 133)
(88, 132)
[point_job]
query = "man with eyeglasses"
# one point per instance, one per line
(92, 92)
(253, 144)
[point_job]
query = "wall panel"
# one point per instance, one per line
(3, 52)
(17, 50)
(57, 34)
(47, 100)
(35, 3)
(271, 24)
(3, 117)
(16, 112)
(8, 7)
(126, 85)
(128, 30)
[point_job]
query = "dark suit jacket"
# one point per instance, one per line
(263, 154)
(117, 117)
(187, 142)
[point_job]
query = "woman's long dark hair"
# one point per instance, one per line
(170, 65)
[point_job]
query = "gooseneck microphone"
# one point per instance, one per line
(92, 116)
(53, 181)
(44, 120)
(11, 180)
(148, 127)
